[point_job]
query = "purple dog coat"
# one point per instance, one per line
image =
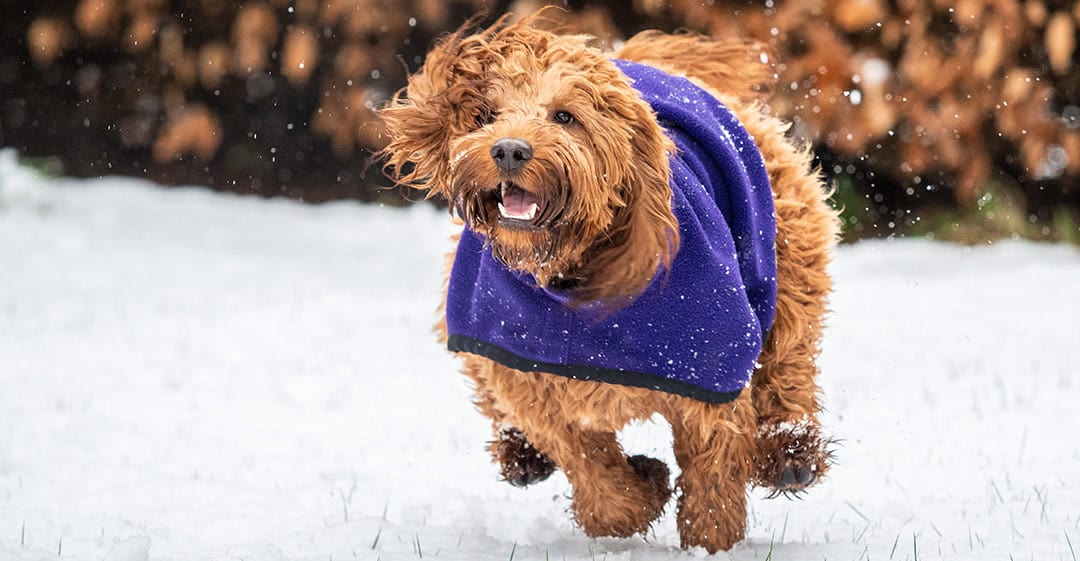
(698, 329)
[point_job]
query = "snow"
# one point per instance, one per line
(190, 376)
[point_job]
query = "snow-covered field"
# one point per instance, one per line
(193, 376)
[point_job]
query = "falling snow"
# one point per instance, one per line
(192, 376)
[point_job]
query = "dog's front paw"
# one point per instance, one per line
(656, 475)
(791, 457)
(521, 464)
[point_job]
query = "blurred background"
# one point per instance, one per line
(953, 119)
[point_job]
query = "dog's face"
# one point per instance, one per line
(546, 150)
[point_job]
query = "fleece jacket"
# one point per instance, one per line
(698, 328)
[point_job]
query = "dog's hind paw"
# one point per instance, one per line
(521, 464)
(791, 457)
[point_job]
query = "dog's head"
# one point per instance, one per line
(547, 151)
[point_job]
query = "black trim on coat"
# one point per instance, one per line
(464, 344)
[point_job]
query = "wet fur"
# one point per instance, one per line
(609, 238)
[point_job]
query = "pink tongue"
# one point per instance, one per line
(517, 201)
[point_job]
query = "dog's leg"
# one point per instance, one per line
(612, 495)
(792, 454)
(714, 447)
(520, 463)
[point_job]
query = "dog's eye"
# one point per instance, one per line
(563, 117)
(485, 117)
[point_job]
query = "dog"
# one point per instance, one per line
(640, 237)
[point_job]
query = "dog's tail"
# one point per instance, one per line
(736, 68)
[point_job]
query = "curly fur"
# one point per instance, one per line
(604, 230)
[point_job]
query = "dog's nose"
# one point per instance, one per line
(511, 153)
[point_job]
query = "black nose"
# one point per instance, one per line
(511, 153)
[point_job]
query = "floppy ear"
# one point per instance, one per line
(444, 99)
(644, 234)
(650, 186)
(654, 219)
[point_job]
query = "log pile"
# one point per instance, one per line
(926, 94)
(916, 101)
(269, 96)
(911, 100)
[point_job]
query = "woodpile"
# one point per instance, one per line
(270, 96)
(911, 100)
(916, 96)
(921, 95)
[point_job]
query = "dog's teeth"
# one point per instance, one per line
(527, 215)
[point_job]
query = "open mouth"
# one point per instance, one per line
(516, 204)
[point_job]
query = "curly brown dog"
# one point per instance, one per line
(585, 258)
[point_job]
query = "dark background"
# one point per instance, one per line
(949, 118)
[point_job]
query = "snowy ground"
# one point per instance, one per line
(195, 376)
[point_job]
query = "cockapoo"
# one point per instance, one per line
(639, 237)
